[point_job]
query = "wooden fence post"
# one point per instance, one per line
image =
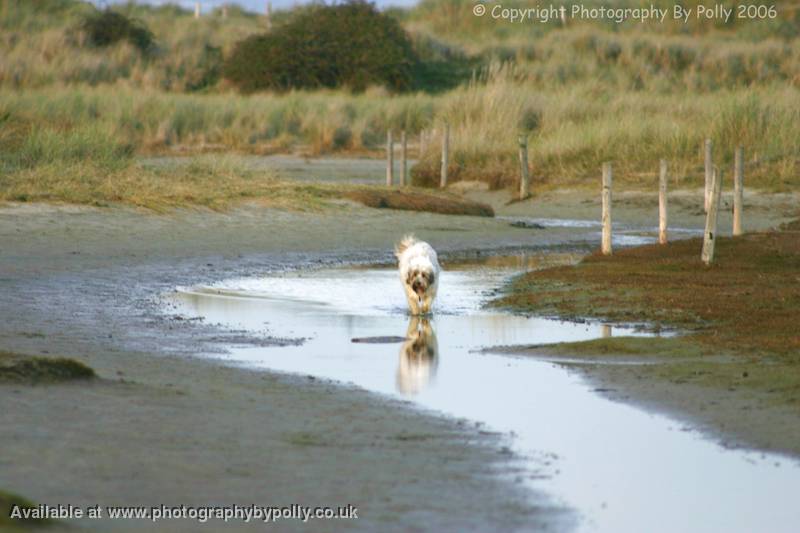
(710, 235)
(404, 162)
(662, 202)
(709, 171)
(389, 159)
(524, 178)
(445, 148)
(606, 219)
(738, 190)
(197, 10)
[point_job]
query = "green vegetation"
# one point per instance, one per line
(7, 502)
(584, 93)
(45, 45)
(745, 303)
(17, 368)
(743, 308)
(349, 45)
(108, 27)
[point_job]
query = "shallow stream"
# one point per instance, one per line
(621, 468)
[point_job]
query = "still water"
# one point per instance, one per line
(622, 469)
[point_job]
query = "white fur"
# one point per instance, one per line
(419, 273)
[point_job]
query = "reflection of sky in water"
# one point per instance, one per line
(622, 234)
(621, 468)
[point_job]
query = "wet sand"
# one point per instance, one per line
(159, 427)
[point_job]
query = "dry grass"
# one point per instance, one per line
(214, 182)
(745, 307)
(586, 93)
(747, 302)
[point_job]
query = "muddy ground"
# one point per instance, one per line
(160, 427)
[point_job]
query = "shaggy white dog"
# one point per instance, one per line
(419, 272)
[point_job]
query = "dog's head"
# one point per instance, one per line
(420, 278)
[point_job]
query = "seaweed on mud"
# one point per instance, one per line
(16, 368)
(418, 201)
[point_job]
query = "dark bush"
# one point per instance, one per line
(107, 27)
(345, 45)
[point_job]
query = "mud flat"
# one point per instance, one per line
(618, 467)
(158, 427)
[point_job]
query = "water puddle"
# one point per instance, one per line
(622, 235)
(621, 468)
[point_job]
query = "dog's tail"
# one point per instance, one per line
(405, 242)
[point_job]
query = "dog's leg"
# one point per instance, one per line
(427, 302)
(430, 296)
(413, 301)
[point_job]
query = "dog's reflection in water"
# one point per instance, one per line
(419, 357)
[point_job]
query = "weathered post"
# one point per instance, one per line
(524, 176)
(709, 171)
(404, 161)
(606, 219)
(445, 148)
(710, 235)
(662, 202)
(268, 14)
(197, 10)
(389, 159)
(738, 191)
(224, 11)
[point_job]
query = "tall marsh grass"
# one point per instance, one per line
(153, 121)
(571, 132)
(580, 128)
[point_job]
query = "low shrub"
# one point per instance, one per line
(349, 45)
(107, 27)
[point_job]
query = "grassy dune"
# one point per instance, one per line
(584, 94)
(576, 129)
